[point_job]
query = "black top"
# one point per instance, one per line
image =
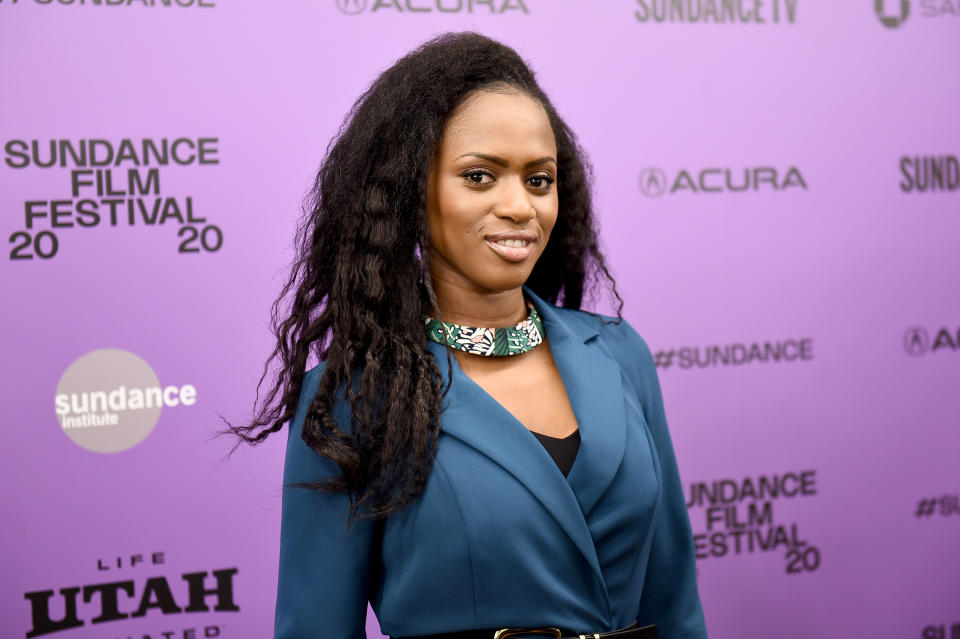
(562, 449)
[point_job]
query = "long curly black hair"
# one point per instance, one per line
(361, 276)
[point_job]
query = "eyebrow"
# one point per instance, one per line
(501, 162)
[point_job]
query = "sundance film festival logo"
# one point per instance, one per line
(717, 11)
(917, 342)
(109, 400)
(893, 13)
(112, 184)
(353, 7)
(739, 518)
(654, 181)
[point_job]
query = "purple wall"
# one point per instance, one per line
(780, 182)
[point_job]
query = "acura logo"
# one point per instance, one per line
(653, 182)
(891, 22)
(916, 341)
(351, 6)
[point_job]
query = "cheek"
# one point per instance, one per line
(442, 215)
(548, 220)
(456, 215)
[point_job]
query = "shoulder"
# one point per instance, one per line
(309, 385)
(617, 336)
(308, 390)
(311, 379)
(622, 343)
(630, 350)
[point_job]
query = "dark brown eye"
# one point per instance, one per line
(541, 181)
(476, 176)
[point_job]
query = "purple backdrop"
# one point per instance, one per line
(779, 195)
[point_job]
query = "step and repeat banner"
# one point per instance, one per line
(778, 186)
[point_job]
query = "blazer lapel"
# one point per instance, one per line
(595, 388)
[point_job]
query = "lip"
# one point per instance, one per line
(510, 253)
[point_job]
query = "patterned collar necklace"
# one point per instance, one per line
(490, 342)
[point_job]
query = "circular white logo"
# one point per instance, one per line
(109, 400)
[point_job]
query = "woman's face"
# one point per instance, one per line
(492, 198)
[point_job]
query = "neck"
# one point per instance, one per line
(466, 305)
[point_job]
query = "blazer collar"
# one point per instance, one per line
(563, 327)
(594, 386)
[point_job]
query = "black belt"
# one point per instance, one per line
(630, 632)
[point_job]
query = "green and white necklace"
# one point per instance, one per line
(490, 342)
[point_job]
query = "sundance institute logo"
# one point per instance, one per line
(109, 400)
(892, 19)
(352, 7)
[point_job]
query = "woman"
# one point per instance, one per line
(467, 455)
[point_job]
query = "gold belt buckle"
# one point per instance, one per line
(503, 633)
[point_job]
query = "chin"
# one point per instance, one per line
(506, 283)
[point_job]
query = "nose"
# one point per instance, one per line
(515, 202)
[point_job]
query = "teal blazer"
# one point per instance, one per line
(499, 537)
